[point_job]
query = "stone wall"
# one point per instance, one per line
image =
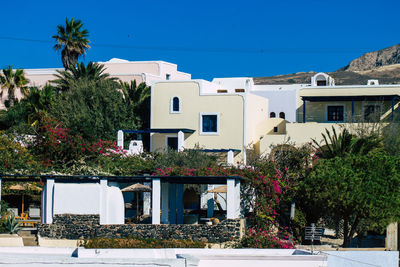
(68, 226)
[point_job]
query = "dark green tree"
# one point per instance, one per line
(11, 80)
(137, 101)
(358, 189)
(94, 109)
(72, 41)
(338, 145)
(38, 102)
(91, 72)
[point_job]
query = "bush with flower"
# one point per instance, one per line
(261, 192)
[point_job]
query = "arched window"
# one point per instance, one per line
(175, 105)
(272, 115)
(282, 115)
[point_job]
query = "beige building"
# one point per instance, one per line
(141, 71)
(234, 114)
(323, 105)
(217, 116)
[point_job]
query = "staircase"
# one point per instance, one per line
(29, 236)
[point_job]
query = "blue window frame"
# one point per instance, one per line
(209, 124)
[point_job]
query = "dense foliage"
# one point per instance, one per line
(15, 158)
(72, 41)
(354, 188)
(94, 109)
(141, 243)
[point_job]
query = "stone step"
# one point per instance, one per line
(30, 241)
(25, 232)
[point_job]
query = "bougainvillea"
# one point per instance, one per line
(56, 144)
(261, 192)
(271, 238)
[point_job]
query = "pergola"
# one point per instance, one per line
(167, 192)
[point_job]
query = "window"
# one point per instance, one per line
(321, 83)
(175, 105)
(335, 113)
(272, 115)
(282, 115)
(209, 123)
(167, 76)
(372, 112)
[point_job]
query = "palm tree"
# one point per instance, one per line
(92, 72)
(137, 99)
(72, 41)
(335, 145)
(11, 80)
(38, 102)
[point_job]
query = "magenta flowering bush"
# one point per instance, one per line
(263, 194)
(56, 144)
(271, 238)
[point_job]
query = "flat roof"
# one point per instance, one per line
(350, 98)
(362, 92)
(122, 179)
(161, 130)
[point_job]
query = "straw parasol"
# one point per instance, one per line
(219, 189)
(24, 187)
(137, 188)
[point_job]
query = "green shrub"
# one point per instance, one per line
(14, 157)
(11, 225)
(141, 243)
(189, 158)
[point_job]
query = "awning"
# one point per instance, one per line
(162, 130)
(223, 150)
(349, 98)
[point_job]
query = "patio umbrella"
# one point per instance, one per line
(137, 188)
(24, 187)
(219, 189)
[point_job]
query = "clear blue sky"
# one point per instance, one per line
(206, 38)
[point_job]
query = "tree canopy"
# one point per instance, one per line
(355, 189)
(95, 109)
(91, 72)
(72, 41)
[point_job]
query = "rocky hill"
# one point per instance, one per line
(383, 65)
(371, 60)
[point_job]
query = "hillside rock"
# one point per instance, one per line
(372, 60)
(389, 74)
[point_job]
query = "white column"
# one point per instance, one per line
(172, 204)
(164, 203)
(155, 202)
(49, 200)
(230, 158)
(237, 198)
(179, 203)
(120, 139)
(230, 198)
(146, 201)
(181, 141)
(103, 201)
(210, 202)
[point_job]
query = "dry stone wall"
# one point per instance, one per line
(69, 226)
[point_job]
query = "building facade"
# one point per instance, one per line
(235, 114)
(140, 71)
